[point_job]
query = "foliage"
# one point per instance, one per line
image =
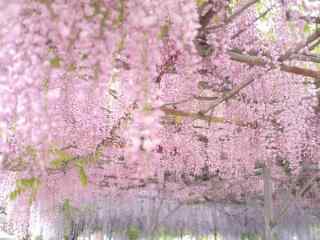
(250, 236)
(26, 184)
(62, 159)
(133, 233)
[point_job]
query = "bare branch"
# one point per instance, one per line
(212, 119)
(258, 61)
(189, 99)
(307, 19)
(300, 71)
(248, 59)
(230, 94)
(235, 15)
(202, 98)
(306, 58)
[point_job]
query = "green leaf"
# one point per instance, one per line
(62, 160)
(57, 163)
(121, 13)
(72, 67)
(178, 119)
(55, 62)
(317, 49)
(96, 6)
(249, 236)
(200, 2)
(147, 108)
(83, 176)
(31, 151)
(260, 9)
(46, 85)
(14, 194)
(28, 183)
(307, 28)
(133, 233)
(96, 155)
(231, 6)
(66, 207)
(164, 31)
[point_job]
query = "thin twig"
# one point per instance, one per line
(307, 19)
(189, 99)
(253, 22)
(202, 98)
(257, 61)
(212, 119)
(231, 94)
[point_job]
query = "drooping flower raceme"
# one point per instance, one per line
(103, 96)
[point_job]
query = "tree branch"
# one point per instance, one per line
(313, 37)
(300, 71)
(236, 14)
(230, 94)
(258, 61)
(306, 57)
(307, 19)
(210, 119)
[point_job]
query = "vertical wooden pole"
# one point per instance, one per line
(215, 234)
(268, 205)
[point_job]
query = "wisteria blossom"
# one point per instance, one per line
(184, 97)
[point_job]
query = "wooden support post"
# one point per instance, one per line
(268, 204)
